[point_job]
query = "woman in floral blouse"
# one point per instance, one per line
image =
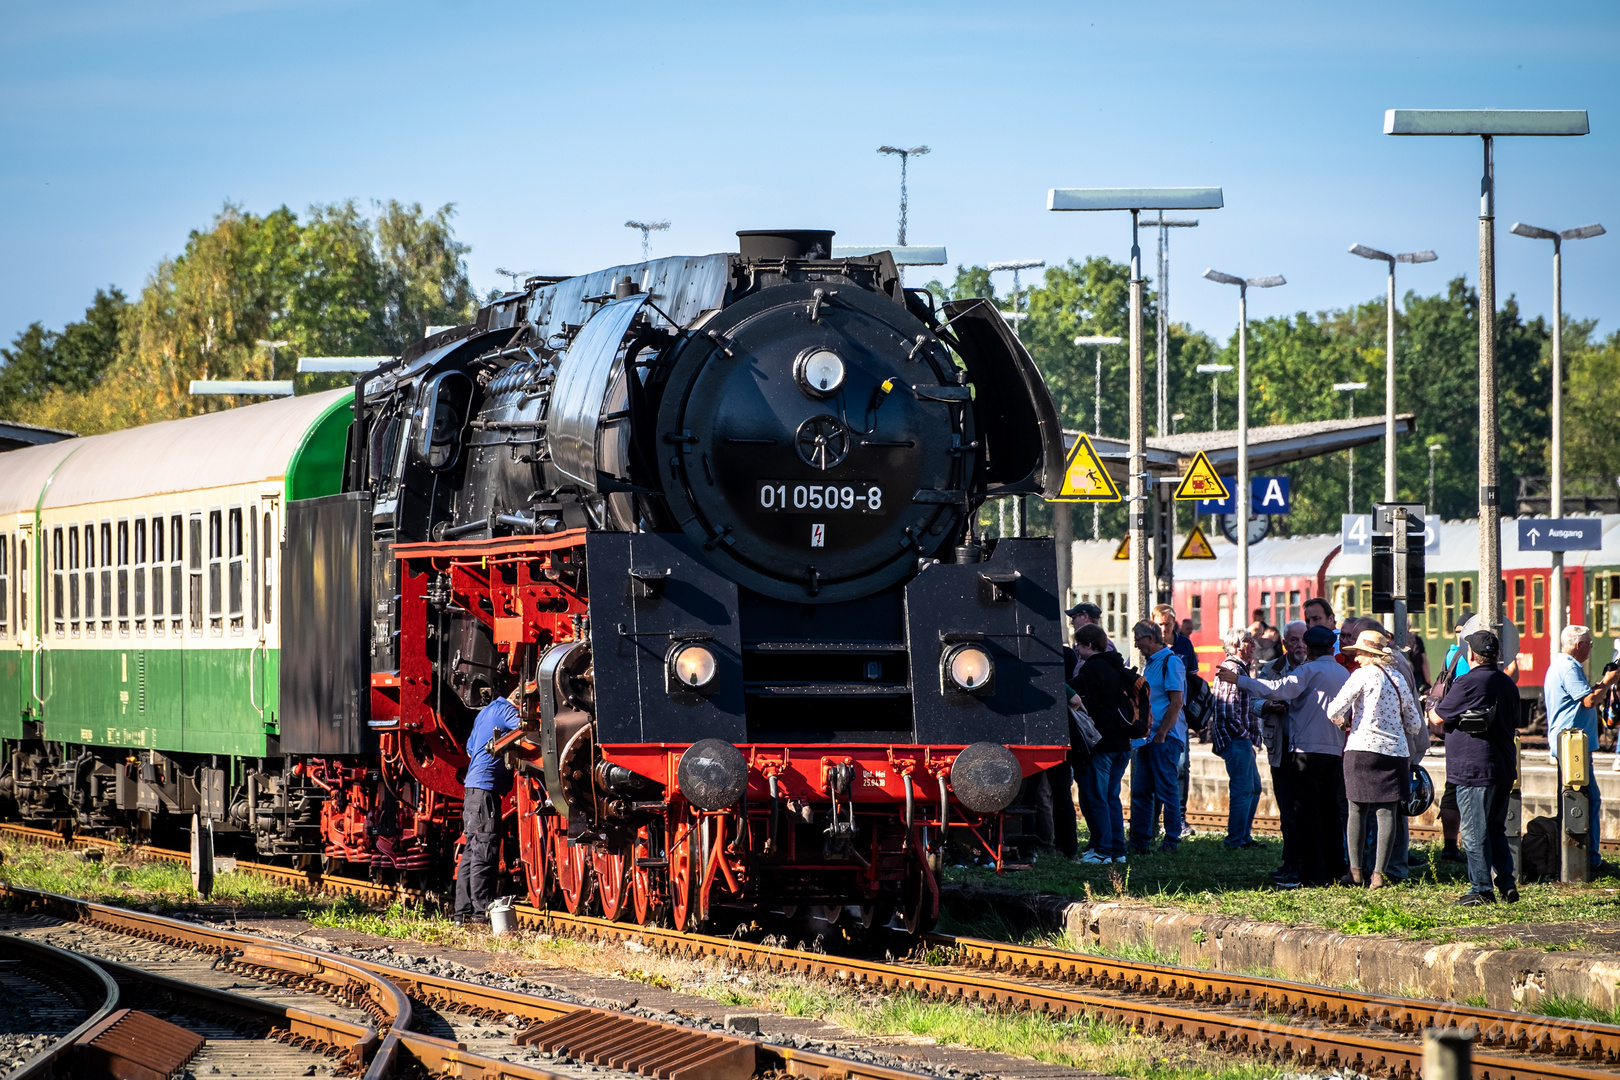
(1380, 712)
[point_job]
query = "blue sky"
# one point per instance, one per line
(126, 124)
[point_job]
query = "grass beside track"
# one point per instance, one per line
(1204, 876)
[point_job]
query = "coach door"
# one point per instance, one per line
(29, 579)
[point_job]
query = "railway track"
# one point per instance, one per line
(356, 1018)
(1303, 1025)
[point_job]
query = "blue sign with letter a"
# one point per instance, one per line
(1267, 495)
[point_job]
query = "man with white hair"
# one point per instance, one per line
(1572, 702)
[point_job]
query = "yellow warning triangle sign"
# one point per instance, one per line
(1123, 552)
(1197, 546)
(1084, 478)
(1201, 482)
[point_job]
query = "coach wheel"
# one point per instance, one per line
(574, 879)
(642, 887)
(613, 882)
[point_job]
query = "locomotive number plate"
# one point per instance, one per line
(855, 497)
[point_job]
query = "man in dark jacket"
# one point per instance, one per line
(1102, 686)
(1477, 718)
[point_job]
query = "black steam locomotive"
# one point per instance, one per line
(716, 515)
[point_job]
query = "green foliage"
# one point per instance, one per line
(1294, 362)
(336, 283)
(42, 360)
(1591, 403)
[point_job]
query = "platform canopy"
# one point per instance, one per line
(1269, 447)
(14, 436)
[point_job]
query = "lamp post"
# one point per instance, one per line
(272, 346)
(905, 156)
(1351, 388)
(1162, 339)
(1176, 418)
(1026, 264)
(1555, 508)
(1270, 281)
(1487, 124)
(1389, 353)
(646, 227)
(1214, 371)
(1096, 416)
(1135, 200)
(1434, 448)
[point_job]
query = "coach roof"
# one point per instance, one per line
(236, 446)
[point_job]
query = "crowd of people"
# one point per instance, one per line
(1342, 717)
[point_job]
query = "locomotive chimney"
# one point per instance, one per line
(785, 243)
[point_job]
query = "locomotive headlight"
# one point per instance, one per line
(968, 668)
(820, 373)
(691, 666)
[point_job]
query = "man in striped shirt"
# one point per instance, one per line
(1234, 734)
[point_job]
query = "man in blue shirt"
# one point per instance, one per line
(488, 779)
(1154, 785)
(1572, 704)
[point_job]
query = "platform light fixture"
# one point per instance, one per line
(1269, 281)
(1389, 352)
(1488, 125)
(1136, 200)
(1555, 507)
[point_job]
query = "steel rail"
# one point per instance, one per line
(1272, 1017)
(64, 970)
(1287, 1020)
(361, 982)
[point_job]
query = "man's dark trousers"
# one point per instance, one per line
(1317, 787)
(481, 858)
(1282, 792)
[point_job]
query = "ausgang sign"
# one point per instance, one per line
(1560, 534)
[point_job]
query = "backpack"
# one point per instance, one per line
(1199, 705)
(1138, 707)
(1539, 850)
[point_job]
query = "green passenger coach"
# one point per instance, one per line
(141, 608)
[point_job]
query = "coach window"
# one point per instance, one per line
(1613, 614)
(58, 579)
(1366, 598)
(106, 577)
(216, 572)
(1195, 609)
(1113, 623)
(233, 552)
(269, 576)
(1448, 606)
(1431, 608)
(177, 573)
(140, 577)
(253, 563)
(122, 551)
(1518, 605)
(1601, 591)
(73, 581)
(5, 588)
(1538, 606)
(157, 577)
(89, 580)
(1223, 613)
(1465, 595)
(196, 567)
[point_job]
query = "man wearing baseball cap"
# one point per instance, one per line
(1477, 718)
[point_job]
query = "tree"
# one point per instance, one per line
(42, 360)
(336, 283)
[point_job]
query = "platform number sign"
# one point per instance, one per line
(1356, 532)
(818, 536)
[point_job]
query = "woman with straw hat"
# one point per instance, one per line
(1378, 710)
